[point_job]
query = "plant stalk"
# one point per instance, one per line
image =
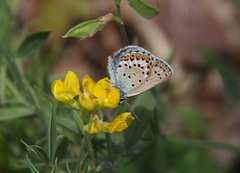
(121, 25)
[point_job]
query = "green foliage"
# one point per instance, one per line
(85, 29)
(143, 109)
(32, 168)
(90, 27)
(143, 8)
(39, 151)
(32, 43)
(52, 137)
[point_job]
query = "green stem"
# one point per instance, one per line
(92, 155)
(122, 28)
(82, 153)
(109, 146)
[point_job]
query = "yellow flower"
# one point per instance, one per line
(120, 123)
(65, 91)
(95, 127)
(98, 95)
(93, 97)
(107, 97)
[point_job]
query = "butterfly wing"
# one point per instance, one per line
(160, 72)
(134, 70)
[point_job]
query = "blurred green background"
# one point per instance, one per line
(189, 124)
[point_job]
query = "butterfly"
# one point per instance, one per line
(134, 70)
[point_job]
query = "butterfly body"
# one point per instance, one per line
(134, 70)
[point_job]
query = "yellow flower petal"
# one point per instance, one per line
(88, 102)
(65, 91)
(120, 123)
(94, 96)
(57, 87)
(102, 88)
(107, 98)
(88, 84)
(95, 127)
(71, 84)
(113, 98)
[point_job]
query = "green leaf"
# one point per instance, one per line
(3, 77)
(39, 151)
(89, 28)
(84, 29)
(79, 122)
(32, 43)
(104, 166)
(84, 161)
(16, 112)
(52, 137)
(32, 168)
(68, 124)
(68, 168)
(55, 167)
(143, 108)
(62, 146)
(143, 8)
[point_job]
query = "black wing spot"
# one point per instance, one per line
(133, 85)
(129, 77)
(140, 80)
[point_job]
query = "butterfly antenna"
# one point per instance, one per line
(132, 110)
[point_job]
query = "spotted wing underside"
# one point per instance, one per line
(134, 70)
